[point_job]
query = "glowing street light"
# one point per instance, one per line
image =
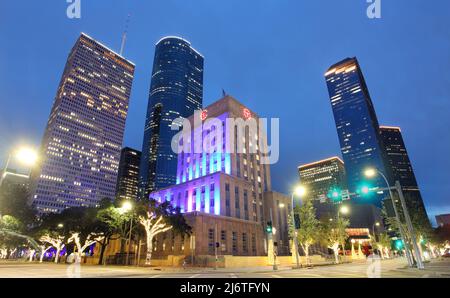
(370, 173)
(344, 210)
(26, 156)
(127, 206)
(300, 191)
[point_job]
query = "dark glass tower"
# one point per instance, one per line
(81, 145)
(176, 91)
(127, 180)
(357, 127)
(401, 170)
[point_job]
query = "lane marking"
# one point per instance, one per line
(276, 276)
(194, 276)
(233, 275)
(154, 276)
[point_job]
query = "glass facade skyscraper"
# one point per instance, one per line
(127, 180)
(176, 91)
(401, 170)
(357, 127)
(81, 146)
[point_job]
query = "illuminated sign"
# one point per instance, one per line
(204, 115)
(247, 113)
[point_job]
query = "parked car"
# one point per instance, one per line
(446, 253)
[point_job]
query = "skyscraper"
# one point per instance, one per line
(127, 180)
(401, 170)
(357, 127)
(176, 91)
(80, 149)
(323, 178)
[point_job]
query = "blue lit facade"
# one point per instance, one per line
(203, 177)
(357, 127)
(176, 91)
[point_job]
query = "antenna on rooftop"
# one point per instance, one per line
(124, 35)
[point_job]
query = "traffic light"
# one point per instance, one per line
(335, 194)
(364, 190)
(399, 244)
(269, 227)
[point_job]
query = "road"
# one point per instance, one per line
(385, 269)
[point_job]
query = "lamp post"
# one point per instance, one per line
(126, 207)
(300, 191)
(377, 224)
(373, 172)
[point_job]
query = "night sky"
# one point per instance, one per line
(271, 55)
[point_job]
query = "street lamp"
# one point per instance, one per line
(377, 224)
(372, 172)
(344, 210)
(127, 206)
(300, 191)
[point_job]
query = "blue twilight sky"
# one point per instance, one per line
(269, 54)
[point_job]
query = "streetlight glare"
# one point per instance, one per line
(300, 191)
(344, 210)
(127, 206)
(369, 173)
(27, 156)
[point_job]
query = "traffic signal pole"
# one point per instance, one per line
(275, 267)
(410, 226)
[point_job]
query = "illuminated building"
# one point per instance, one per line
(127, 179)
(324, 180)
(221, 189)
(401, 170)
(176, 91)
(357, 127)
(81, 146)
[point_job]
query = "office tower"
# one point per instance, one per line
(80, 149)
(176, 91)
(222, 189)
(357, 127)
(127, 179)
(401, 170)
(324, 179)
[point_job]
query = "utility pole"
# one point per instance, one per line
(410, 226)
(215, 247)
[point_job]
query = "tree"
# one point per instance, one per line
(55, 240)
(78, 225)
(14, 202)
(111, 223)
(309, 230)
(334, 234)
(157, 218)
(383, 243)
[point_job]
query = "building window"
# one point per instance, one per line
(254, 244)
(227, 200)
(235, 243)
(223, 240)
(244, 243)
(211, 241)
(236, 202)
(245, 204)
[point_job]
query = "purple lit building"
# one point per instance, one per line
(222, 181)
